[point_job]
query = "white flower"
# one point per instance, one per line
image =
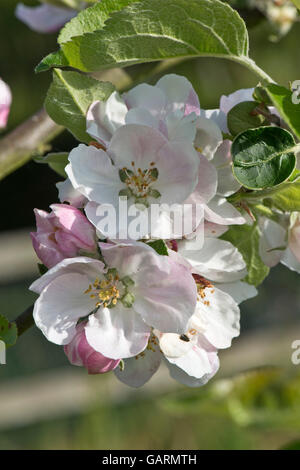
(136, 290)
(171, 107)
(44, 18)
(192, 357)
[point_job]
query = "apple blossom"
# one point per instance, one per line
(80, 353)
(5, 102)
(191, 357)
(44, 18)
(134, 290)
(63, 233)
(171, 106)
(141, 165)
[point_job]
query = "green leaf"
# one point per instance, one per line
(283, 101)
(42, 268)
(91, 20)
(244, 116)
(246, 239)
(8, 331)
(69, 98)
(56, 161)
(263, 157)
(286, 197)
(151, 30)
(297, 3)
(159, 246)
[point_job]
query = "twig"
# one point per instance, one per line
(25, 320)
(18, 147)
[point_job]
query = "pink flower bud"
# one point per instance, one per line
(5, 102)
(63, 233)
(80, 353)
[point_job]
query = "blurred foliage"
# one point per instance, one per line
(263, 398)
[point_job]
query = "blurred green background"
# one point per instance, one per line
(46, 404)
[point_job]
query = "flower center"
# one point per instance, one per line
(202, 283)
(109, 290)
(139, 182)
(106, 292)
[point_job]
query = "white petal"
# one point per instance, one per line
(177, 90)
(138, 370)
(217, 116)
(218, 260)
(228, 102)
(147, 97)
(60, 305)
(272, 236)
(217, 316)
(227, 184)
(141, 116)
(118, 332)
(290, 260)
(105, 117)
(208, 137)
(219, 211)
(93, 174)
(81, 265)
(182, 377)
(238, 290)
(44, 18)
(66, 193)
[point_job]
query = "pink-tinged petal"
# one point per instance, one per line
(66, 193)
(227, 184)
(217, 317)
(91, 172)
(117, 332)
(218, 260)
(80, 353)
(141, 116)
(73, 220)
(105, 117)
(228, 102)
(219, 211)
(138, 370)
(62, 234)
(60, 305)
(46, 250)
(179, 93)
(89, 267)
(192, 105)
(147, 97)
(163, 302)
(160, 299)
(207, 183)
(4, 113)
(208, 137)
(177, 163)
(273, 236)
(238, 290)
(44, 18)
